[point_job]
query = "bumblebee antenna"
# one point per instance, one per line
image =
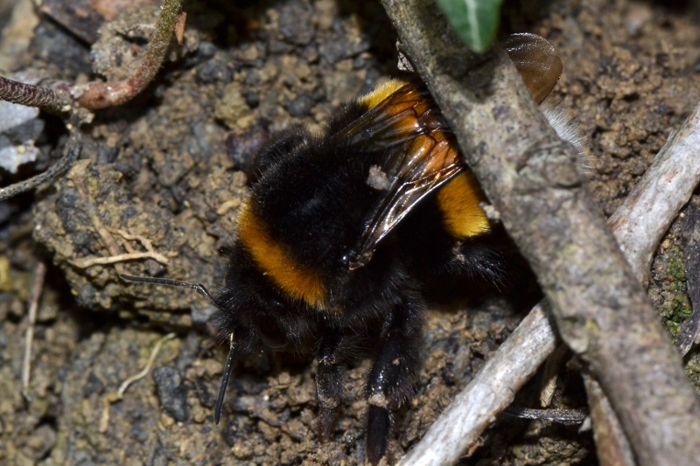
(169, 282)
(224, 382)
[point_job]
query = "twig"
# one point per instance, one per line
(34, 296)
(98, 95)
(579, 265)
(491, 391)
(560, 416)
(611, 443)
(461, 424)
(114, 397)
(658, 197)
(149, 365)
(180, 27)
(50, 100)
(72, 151)
(688, 333)
(86, 262)
(550, 374)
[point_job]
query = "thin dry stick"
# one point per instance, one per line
(86, 262)
(611, 443)
(652, 396)
(72, 151)
(34, 296)
(641, 222)
(114, 397)
(149, 365)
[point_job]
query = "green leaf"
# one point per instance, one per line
(476, 21)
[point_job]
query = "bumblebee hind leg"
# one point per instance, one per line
(391, 379)
(329, 384)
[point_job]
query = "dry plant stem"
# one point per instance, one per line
(610, 441)
(149, 365)
(47, 99)
(561, 416)
(601, 309)
(86, 262)
(101, 95)
(655, 201)
(459, 427)
(114, 397)
(550, 374)
(71, 155)
(34, 296)
(77, 175)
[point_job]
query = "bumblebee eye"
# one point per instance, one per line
(269, 331)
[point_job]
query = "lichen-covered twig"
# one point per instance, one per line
(601, 309)
(611, 443)
(688, 334)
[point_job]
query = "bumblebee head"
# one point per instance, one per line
(250, 305)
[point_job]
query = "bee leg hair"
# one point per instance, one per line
(391, 379)
(329, 384)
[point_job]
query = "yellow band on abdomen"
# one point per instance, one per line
(459, 202)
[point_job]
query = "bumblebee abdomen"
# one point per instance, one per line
(459, 201)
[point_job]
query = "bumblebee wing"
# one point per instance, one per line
(537, 62)
(418, 155)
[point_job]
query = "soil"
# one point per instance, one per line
(170, 167)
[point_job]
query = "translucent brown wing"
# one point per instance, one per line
(418, 156)
(420, 152)
(537, 62)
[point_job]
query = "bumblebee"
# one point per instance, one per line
(345, 233)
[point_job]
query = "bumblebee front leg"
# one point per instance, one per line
(390, 382)
(329, 384)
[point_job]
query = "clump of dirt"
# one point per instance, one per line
(171, 168)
